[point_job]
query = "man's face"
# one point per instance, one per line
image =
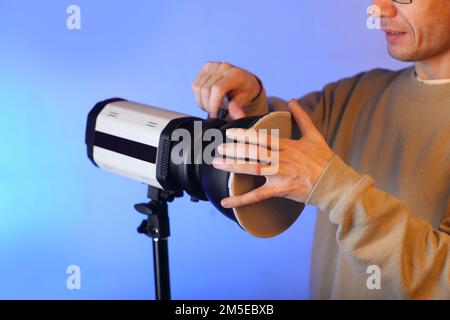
(416, 31)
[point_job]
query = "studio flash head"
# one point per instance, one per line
(173, 151)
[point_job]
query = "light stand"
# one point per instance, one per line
(157, 227)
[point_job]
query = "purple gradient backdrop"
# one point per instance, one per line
(56, 209)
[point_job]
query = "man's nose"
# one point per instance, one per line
(387, 7)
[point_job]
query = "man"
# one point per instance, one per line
(374, 157)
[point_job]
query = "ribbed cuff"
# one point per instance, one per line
(335, 185)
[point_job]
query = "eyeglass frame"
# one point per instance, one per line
(403, 1)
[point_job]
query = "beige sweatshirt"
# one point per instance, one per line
(384, 198)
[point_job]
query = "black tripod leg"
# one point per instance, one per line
(161, 265)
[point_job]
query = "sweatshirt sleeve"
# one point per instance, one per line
(326, 107)
(375, 228)
(330, 106)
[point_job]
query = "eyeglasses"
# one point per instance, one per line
(403, 1)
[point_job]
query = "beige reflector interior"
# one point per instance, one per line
(270, 217)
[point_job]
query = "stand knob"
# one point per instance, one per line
(143, 208)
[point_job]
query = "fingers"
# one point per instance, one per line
(262, 137)
(215, 88)
(203, 76)
(215, 92)
(229, 82)
(303, 120)
(206, 80)
(254, 196)
(231, 165)
(235, 107)
(242, 151)
(216, 80)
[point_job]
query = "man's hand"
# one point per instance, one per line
(300, 162)
(216, 79)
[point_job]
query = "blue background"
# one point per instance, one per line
(57, 209)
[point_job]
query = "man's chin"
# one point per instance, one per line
(400, 55)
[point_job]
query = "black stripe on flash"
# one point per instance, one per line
(127, 147)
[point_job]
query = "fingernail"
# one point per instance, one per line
(295, 103)
(216, 162)
(230, 133)
(225, 203)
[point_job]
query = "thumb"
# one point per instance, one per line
(235, 107)
(303, 120)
